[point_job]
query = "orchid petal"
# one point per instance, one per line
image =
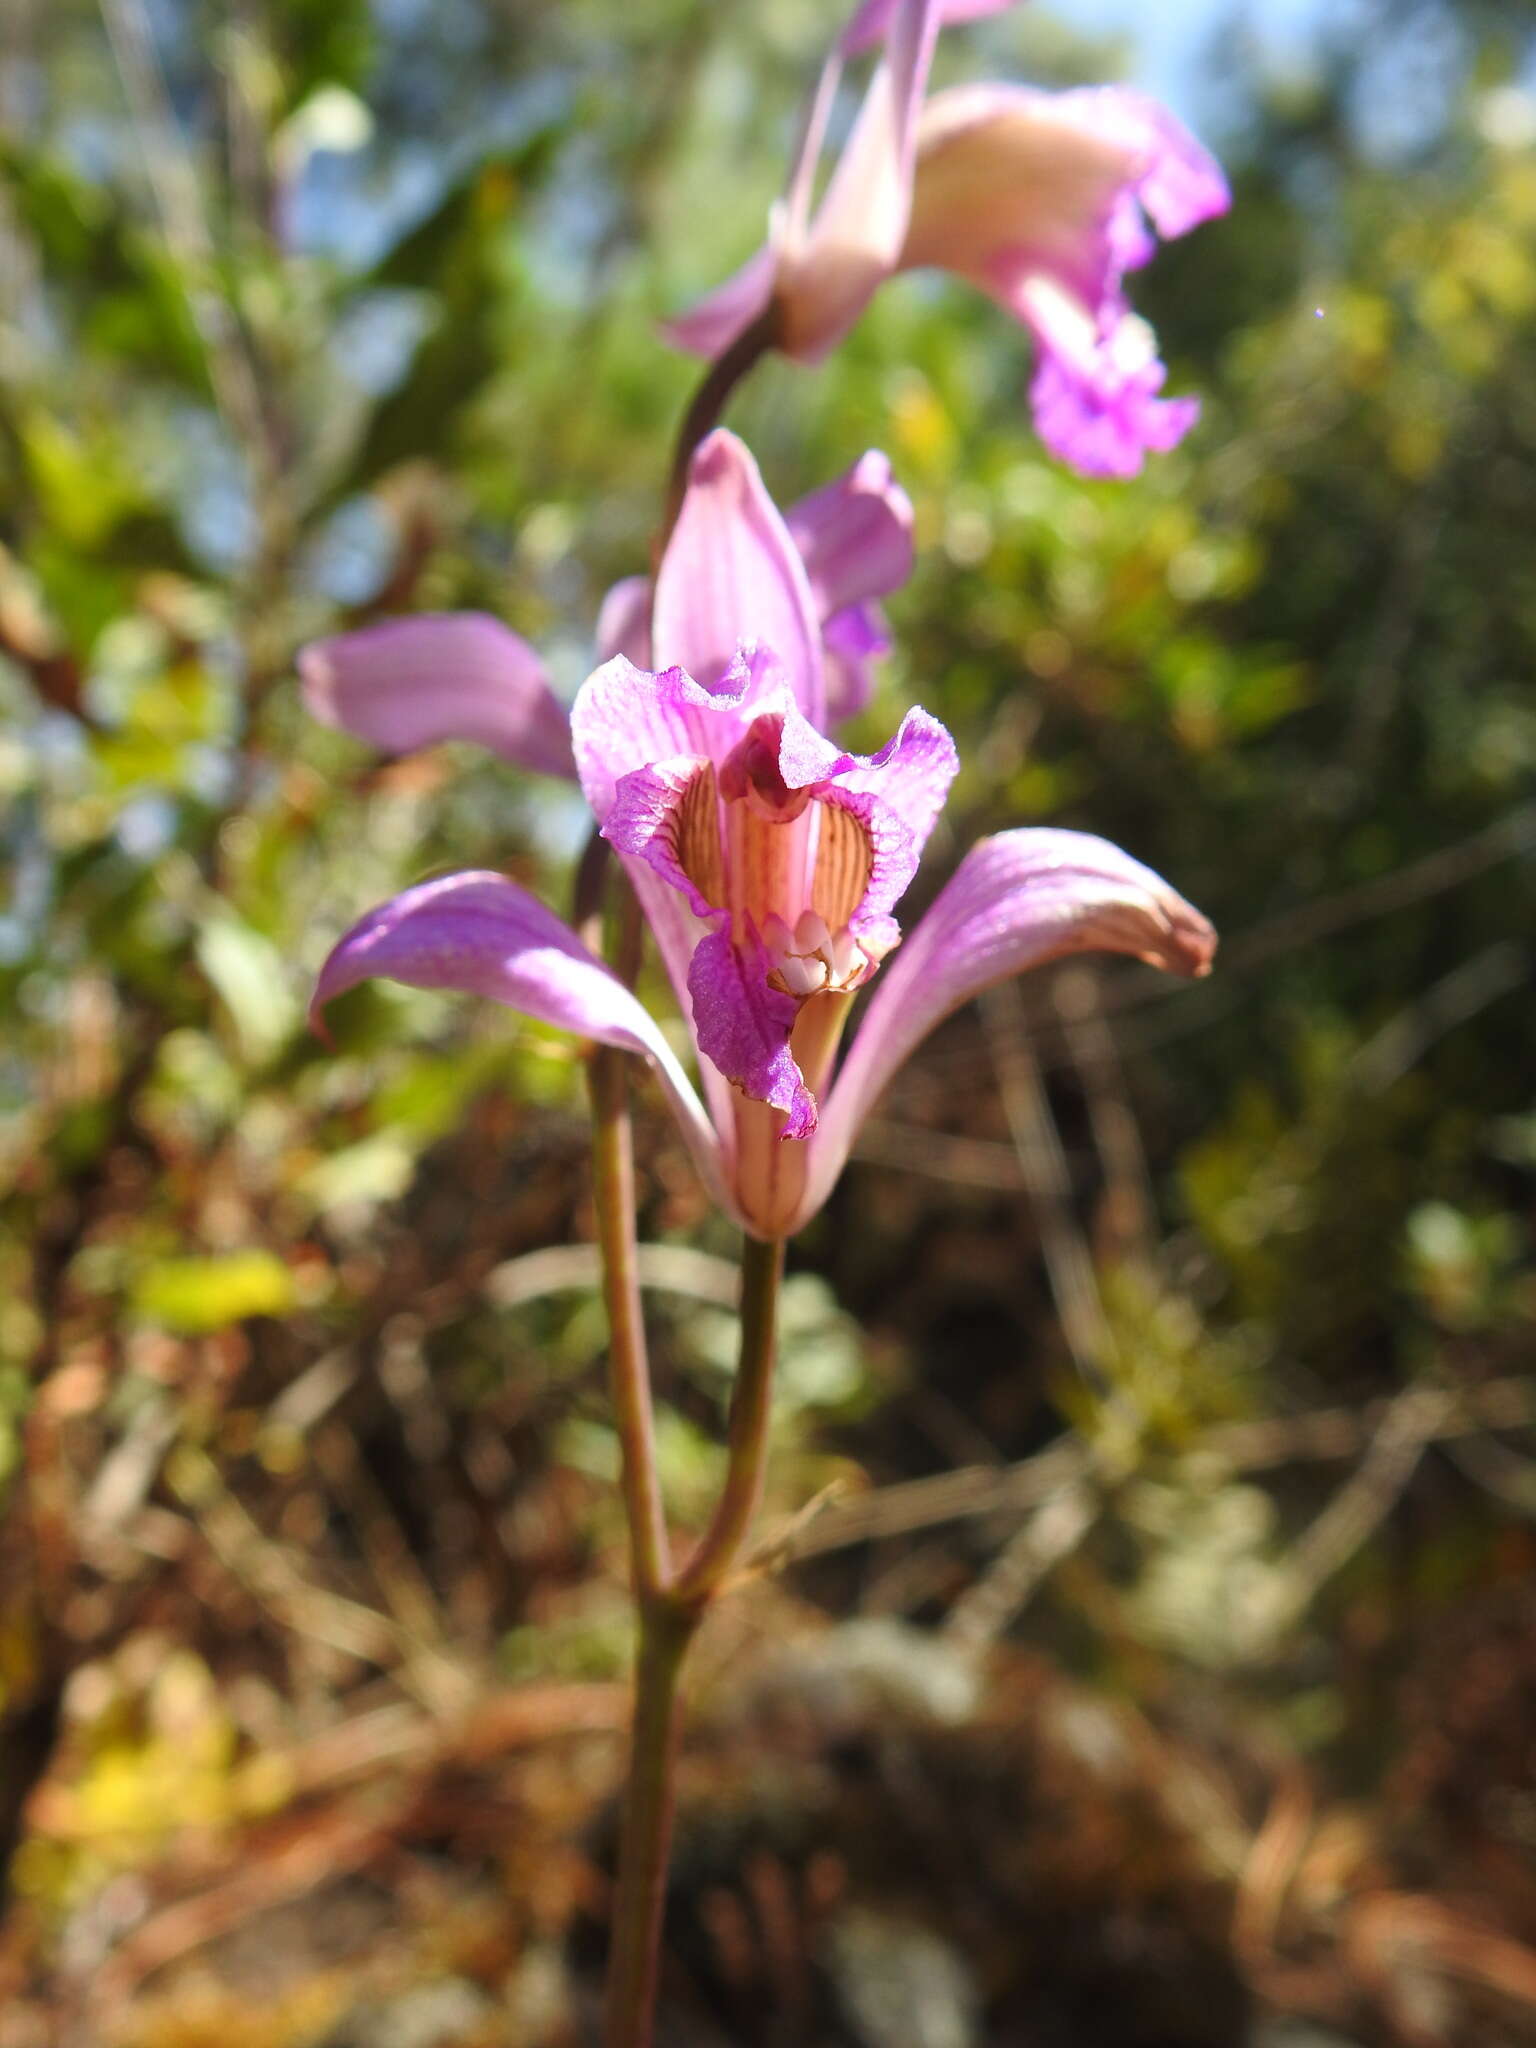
(637, 733)
(789, 220)
(851, 640)
(662, 816)
(912, 772)
(1017, 900)
(623, 722)
(855, 542)
(823, 272)
(626, 718)
(1042, 200)
(1097, 407)
(624, 622)
(896, 795)
(1179, 182)
(649, 747)
(856, 238)
(709, 327)
(679, 932)
(481, 934)
(854, 535)
(732, 574)
(1053, 184)
(655, 810)
(627, 724)
(410, 682)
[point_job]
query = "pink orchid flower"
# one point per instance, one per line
(1041, 199)
(767, 860)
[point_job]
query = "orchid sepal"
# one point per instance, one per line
(411, 682)
(480, 934)
(1018, 900)
(730, 558)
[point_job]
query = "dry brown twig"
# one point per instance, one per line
(1042, 1163)
(1361, 1504)
(979, 1490)
(988, 1608)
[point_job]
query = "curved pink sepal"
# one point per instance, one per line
(411, 682)
(709, 327)
(483, 935)
(1016, 901)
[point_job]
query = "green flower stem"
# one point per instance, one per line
(762, 1268)
(628, 1370)
(669, 1616)
(634, 1957)
(664, 1633)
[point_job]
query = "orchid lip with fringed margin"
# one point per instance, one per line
(768, 861)
(1043, 200)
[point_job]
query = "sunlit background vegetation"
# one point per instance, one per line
(1157, 1666)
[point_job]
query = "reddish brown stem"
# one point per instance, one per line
(628, 1369)
(705, 408)
(762, 1268)
(645, 1844)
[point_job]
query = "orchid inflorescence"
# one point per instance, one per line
(767, 860)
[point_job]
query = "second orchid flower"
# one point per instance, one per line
(1043, 200)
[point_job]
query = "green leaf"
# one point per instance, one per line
(323, 42)
(128, 287)
(458, 254)
(197, 1295)
(248, 972)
